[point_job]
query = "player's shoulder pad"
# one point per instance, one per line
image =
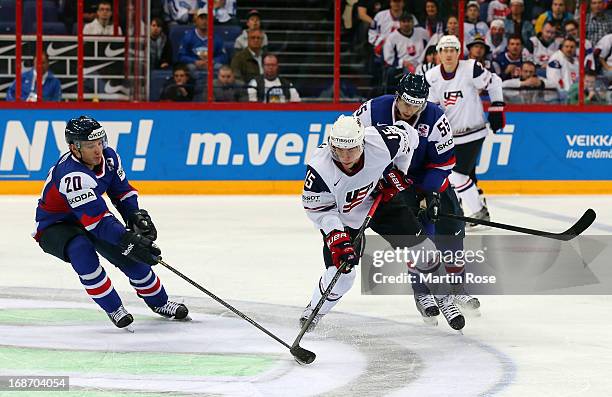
(394, 136)
(78, 188)
(313, 182)
(113, 162)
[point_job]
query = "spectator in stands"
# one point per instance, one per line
(160, 48)
(603, 51)
(366, 10)
(385, 22)
(571, 29)
(248, 63)
(253, 22)
(180, 88)
(498, 10)
(528, 79)
(598, 23)
(479, 50)
(224, 11)
(557, 16)
(404, 47)
(194, 46)
(226, 88)
(103, 24)
(433, 23)
(496, 38)
(563, 69)
(67, 12)
(430, 60)
(51, 86)
(515, 24)
(472, 25)
(508, 64)
(594, 91)
(544, 45)
(179, 11)
(270, 87)
(452, 27)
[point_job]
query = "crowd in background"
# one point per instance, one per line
(533, 45)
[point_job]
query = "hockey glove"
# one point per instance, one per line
(139, 248)
(497, 118)
(339, 243)
(140, 222)
(392, 183)
(432, 211)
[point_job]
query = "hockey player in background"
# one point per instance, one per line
(456, 85)
(73, 222)
(339, 188)
(431, 164)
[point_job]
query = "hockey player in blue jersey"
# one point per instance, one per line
(73, 222)
(431, 165)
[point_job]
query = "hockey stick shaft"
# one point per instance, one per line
(577, 228)
(323, 298)
(224, 303)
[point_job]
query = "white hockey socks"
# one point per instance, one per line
(467, 191)
(344, 283)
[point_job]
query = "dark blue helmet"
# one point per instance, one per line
(83, 129)
(413, 89)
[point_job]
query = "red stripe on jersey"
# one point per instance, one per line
(450, 161)
(149, 290)
(444, 186)
(122, 195)
(87, 220)
(101, 289)
(54, 202)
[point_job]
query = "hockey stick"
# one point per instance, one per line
(356, 242)
(577, 228)
(300, 354)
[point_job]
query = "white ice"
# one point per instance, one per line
(261, 251)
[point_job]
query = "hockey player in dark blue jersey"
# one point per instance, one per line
(73, 222)
(431, 165)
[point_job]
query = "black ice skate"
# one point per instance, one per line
(307, 312)
(121, 318)
(426, 305)
(451, 312)
(173, 311)
(482, 214)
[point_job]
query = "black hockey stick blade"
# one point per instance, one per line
(302, 355)
(580, 226)
(577, 228)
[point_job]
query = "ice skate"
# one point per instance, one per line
(173, 311)
(450, 311)
(467, 303)
(122, 319)
(482, 214)
(307, 312)
(426, 305)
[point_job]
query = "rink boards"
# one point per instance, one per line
(264, 152)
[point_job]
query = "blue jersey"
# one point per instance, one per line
(434, 158)
(192, 44)
(73, 193)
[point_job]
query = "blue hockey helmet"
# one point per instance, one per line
(83, 129)
(413, 89)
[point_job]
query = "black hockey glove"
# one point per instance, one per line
(497, 118)
(139, 248)
(140, 222)
(432, 211)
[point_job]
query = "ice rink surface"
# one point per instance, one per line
(262, 254)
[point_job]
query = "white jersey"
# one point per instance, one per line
(604, 47)
(334, 199)
(561, 71)
(399, 48)
(541, 52)
(459, 97)
(382, 25)
(496, 49)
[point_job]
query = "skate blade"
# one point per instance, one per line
(431, 321)
(129, 328)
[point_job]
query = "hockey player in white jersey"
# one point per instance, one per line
(456, 85)
(341, 181)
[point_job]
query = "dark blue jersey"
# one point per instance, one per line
(73, 193)
(434, 158)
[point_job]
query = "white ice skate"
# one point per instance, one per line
(467, 303)
(482, 214)
(306, 314)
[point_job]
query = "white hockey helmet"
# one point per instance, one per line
(448, 41)
(346, 133)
